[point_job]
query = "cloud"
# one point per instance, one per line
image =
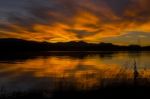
(71, 20)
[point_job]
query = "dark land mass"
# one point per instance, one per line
(11, 44)
(118, 91)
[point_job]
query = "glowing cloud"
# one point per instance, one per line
(71, 20)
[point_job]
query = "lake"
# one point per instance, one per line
(55, 72)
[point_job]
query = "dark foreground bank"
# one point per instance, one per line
(121, 91)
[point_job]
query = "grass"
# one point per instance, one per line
(119, 90)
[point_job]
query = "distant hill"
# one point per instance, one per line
(11, 44)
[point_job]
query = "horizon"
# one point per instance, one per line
(77, 42)
(91, 21)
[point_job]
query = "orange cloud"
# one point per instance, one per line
(86, 20)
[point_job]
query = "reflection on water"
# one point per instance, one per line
(60, 70)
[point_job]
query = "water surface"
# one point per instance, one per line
(53, 71)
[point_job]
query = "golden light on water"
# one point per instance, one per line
(84, 73)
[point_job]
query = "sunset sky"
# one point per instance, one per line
(115, 21)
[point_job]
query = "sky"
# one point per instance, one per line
(120, 22)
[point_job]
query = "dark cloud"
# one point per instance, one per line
(80, 33)
(138, 10)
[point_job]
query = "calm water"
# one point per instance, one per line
(63, 70)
